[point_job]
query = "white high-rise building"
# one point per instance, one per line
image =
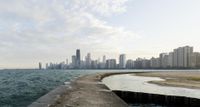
(175, 58)
(170, 60)
(195, 60)
(163, 62)
(187, 56)
(180, 57)
(122, 61)
(73, 61)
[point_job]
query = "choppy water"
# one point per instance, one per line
(19, 88)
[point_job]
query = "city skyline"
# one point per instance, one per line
(180, 58)
(35, 31)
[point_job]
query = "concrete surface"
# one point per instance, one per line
(86, 91)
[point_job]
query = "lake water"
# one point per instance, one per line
(19, 88)
(130, 82)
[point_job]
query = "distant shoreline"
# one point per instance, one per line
(176, 79)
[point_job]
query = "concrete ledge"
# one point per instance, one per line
(86, 91)
(51, 98)
(89, 91)
(164, 100)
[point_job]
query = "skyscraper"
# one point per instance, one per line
(122, 61)
(162, 58)
(78, 58)
(170, 60)
(175, 58)
(73, 61)
(88, 60)
(187, 56)
(66, 61)
(47, 65)
(111, 63)
(40, 65)
(104, 59)
(180, 57)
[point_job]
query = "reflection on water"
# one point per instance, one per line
(134, 83)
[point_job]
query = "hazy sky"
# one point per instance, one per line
(33, 31)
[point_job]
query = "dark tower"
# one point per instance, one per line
(78, 58)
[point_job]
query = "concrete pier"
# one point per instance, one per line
(89, 91)
(86, 91)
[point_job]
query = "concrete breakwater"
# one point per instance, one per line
(86, 91)
(89, 91)
(163, 100)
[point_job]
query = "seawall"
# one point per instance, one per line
(89, 91)
(86, 91)
(163, 100)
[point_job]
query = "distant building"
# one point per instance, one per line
(170, 60)
(104, 59)
(155, 62)
(145, 64)
(175, 58)
(122, 61)
(67, 62)
(47, 65)
(163, 62)
(88, 61)
(94, 64)
(130, 64)
(73, 64)
(138, 63)
(188, 51)
(78, 58)
(40, 65)
(103, 64)
(195, 60)
(111, 64)
(180, 57)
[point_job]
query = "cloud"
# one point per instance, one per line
(28, 26)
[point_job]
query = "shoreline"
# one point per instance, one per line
(175, 79)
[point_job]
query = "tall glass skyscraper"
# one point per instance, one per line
(78, 58)
(122, 61)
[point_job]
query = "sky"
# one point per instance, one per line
(33, 31)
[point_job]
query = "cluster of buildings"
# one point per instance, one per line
(180, 58)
